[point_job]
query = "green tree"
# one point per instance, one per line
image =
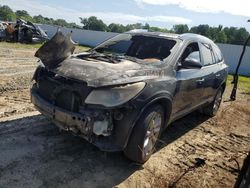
(118, 28)
(6, 13)
(220, 27)
(213, 32)
(49, 20)
(241, 36)
(221, 37)
(180, 28)
(130, 27)
(39, 19)
(23, 14)
(146, 26)
(231, 33)
(193, 29)
(92, 23)
(73, 25)
(157, 29)
(203, 30)
(60, 22)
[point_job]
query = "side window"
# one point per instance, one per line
(191, 52)
(217, 54)
(194, 55)
(208, 56)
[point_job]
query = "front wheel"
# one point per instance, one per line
(145, 134)
(213, 108)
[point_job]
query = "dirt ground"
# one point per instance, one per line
(193, 152)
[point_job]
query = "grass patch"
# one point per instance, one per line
(19, 45)
(81, 48)
(243, 84)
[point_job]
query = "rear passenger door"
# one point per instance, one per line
(211, 72)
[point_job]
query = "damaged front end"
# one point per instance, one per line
(88, 112)
(71, 115)
(92, 113)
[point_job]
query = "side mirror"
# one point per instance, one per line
(191, 64)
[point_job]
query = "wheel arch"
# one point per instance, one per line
(164, 101)
(223, 86)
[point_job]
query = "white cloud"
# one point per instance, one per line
(35, 8)
(171, 19)
(110, 17)
(239, 7)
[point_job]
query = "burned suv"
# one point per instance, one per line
(121, 94)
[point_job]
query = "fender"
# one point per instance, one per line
(164, 99)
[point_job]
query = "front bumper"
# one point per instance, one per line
(82, 124)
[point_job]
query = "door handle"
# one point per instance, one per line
(201, 80)
(217, 75)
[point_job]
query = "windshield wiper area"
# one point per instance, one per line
(111, 58)
(102, 57)
(130, 58)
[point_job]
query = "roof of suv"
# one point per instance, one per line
(185, 36)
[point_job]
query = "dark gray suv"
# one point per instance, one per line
(121, 94)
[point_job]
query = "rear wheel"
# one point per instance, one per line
(145, 134)
(213, 108)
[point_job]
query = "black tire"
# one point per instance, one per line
(138, 149)
(212, 109)
(243, 180)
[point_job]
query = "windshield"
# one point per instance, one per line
(138, 46)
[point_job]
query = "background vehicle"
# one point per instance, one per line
(123, 93)
(22, 31)
(2, 31)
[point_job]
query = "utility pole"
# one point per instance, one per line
(236, 75)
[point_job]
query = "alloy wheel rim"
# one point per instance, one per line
(152, 134)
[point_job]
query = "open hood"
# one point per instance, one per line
(57, 49)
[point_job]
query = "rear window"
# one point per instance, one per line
(208, 58)
(217, 53)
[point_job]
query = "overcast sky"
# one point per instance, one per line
(161, 13)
